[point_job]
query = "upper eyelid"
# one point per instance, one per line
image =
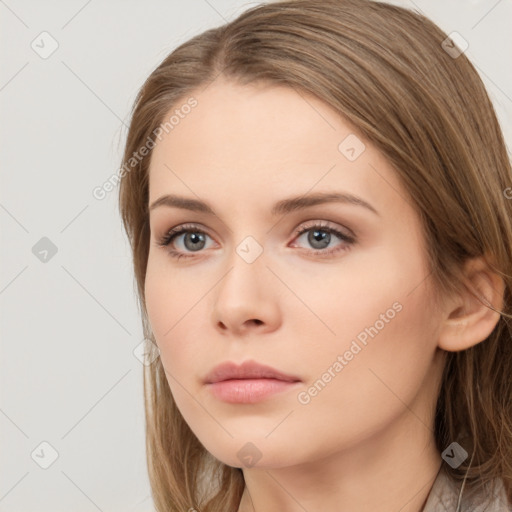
(298, 231)
(307, 224)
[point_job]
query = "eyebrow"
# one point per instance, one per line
(280, 208)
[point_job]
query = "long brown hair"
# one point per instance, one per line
(391, 74)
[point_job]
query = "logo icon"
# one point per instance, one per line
(44, 45)
(249, 249)
(454, 455)
(249, 455)
(44, 455)
(351, 147)
(44, 250)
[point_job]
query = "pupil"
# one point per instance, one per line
(319, 236)
(195, 238)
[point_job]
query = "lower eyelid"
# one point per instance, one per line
(345, 244)
(346, 241)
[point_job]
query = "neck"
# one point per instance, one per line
(394, 470)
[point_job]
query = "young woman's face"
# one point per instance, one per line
(343, 308)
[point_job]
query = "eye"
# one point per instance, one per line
(194, 239)
(320, 236)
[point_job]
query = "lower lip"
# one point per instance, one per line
(248, 391)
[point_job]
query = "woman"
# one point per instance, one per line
(316, 199)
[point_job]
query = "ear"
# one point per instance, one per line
(466, 320)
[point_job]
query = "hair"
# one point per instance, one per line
(385, 71)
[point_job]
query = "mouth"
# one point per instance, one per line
(247, 383)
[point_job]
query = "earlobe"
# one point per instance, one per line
(467, 319)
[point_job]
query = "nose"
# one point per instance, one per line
(246, 298)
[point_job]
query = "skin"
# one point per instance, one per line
(365, 442)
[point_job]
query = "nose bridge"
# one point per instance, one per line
(247, 269)
(244, 293)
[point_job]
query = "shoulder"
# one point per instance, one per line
(449, 495)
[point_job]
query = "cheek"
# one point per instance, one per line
(173, 304)
(159, 302)
(385, 327)
(355, 299)
(173, 319)
(380, 379)
(388, 343)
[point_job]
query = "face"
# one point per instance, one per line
(334, 294)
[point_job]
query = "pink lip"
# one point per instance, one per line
(248, 383)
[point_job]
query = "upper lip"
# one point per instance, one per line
(247, 370)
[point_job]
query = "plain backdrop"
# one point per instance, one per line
(71, 410)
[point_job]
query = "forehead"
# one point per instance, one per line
(253, 143)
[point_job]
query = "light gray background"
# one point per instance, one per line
(69, 325)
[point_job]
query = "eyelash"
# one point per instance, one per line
(319, 226)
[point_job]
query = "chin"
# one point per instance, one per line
(254, 452)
